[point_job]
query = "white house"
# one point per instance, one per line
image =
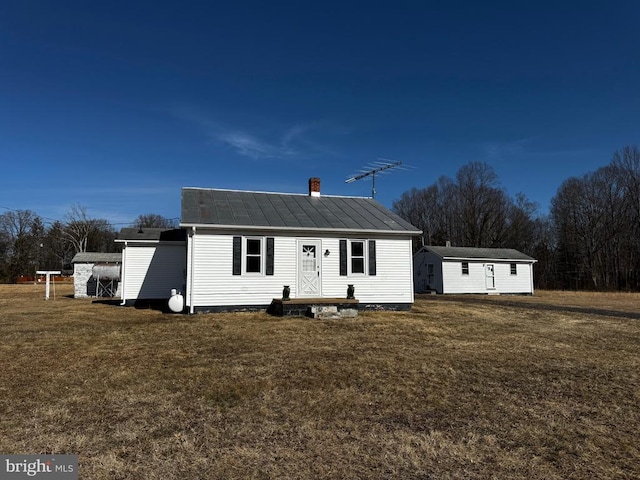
(153, 262)
(472, 270)
(244, 247)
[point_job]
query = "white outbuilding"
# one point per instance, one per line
(96, 274)
(153, 263)
(472, 270)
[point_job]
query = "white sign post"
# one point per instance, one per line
(48, 273)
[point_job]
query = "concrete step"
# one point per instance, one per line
(328, 312)
(324, 311)
(328, 316)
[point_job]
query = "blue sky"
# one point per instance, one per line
(117, 105)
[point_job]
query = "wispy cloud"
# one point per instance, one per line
(250, 146)
(285, 143)
(294, 133)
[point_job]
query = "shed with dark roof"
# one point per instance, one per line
(85, 283)
(244, 248)
(472, 270)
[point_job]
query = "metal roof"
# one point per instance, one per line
(230, 208)
(479, 253)
(152, 234)
(97, 257)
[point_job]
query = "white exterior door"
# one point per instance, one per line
(309, 265)
(490, 276)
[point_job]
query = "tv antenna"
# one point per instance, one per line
(381, 165)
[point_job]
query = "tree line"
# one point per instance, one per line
(28, 244)
(589, 240)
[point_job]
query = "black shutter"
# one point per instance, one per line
(372, 257)
(270, 256)
(237, 255)
(343, 258)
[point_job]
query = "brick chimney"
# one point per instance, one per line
(314, 187)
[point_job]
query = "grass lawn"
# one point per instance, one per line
(463, 387)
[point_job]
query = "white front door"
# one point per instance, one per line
(309, 265)
(490, 276)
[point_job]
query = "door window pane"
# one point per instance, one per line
(308, 258)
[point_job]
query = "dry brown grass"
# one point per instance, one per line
(462, 387)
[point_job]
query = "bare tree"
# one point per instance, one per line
(153, 220)
(416, 206)
(521, 231)
(596, 229)
(481, 206)
(544, 250)
(86, 233)
(472, 210)
(78, 227)
(102, 237)
(21, 232)
(58, 250)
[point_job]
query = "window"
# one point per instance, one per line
(253, 255)
(465, 268)
(357, 257)
(514, 269)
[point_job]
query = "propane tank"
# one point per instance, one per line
(176, 301)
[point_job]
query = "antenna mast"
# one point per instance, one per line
(380, 165)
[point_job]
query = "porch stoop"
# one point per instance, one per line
(321, 308)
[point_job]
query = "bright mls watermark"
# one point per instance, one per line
(47, 467)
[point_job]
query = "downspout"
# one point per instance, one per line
(531, 276)
(190, 283)
(122, 287)
(412, 282)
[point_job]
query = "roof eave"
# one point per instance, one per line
(235, 228)
(532, 260)
(136, 240)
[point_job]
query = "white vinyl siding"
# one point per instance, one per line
(151, 271)
(448, 276)
(520, 283)
(393, 282)
(210, 273)
(475, 282)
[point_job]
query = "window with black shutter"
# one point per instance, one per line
(372, 257)
(253, 255)
(237, 255)
(358, 257)
(270, 256)
(343, 258)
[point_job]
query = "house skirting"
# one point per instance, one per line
(293, 307)
(301, 306)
